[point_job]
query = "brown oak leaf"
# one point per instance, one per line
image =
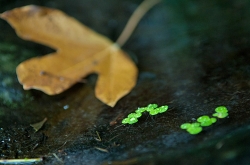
(79, 52)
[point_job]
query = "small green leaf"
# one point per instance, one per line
(132, 120)
(195, 125)
(220, 115)
(206, 121)
(221, 109)
(194, 130)
(213, 119)
(141, 110)
(203, 119)
(135, 115)
(185, 126)
(151, 107)
(125, 121)
(153, 112)
(162, 109)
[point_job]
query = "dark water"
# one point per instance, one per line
(192, 56)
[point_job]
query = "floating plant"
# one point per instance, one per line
(221, 112)
(152, 109)
(192, 128)
(204, 121)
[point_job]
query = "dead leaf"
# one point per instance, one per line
(80, 51)
(38, 125)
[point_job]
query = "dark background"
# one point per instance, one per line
(192, 56)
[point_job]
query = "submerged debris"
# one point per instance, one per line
(102, 149)
(38, 126)
(21, 143)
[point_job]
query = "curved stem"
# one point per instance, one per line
(134, 20)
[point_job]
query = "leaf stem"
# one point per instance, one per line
(133, 21)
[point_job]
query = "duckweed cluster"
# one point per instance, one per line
(192, 128)
(152, 109)
(204, 121)
(221, 112)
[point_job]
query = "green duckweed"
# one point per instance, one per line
(135, 115)
(192, 128)
(221, 112)
(221, 109)
(206, 121)
(185, 126)
(163, 108)
(131, 120)
(153, 112)
(141, 110)
(151, 109)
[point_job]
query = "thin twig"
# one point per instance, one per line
(113, 138)
(60, 160)
(61, 146)
(134, 20)
(99, 138)
(101, 149)
(119, 126)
